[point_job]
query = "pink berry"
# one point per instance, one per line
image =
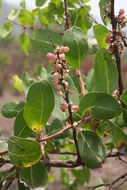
(66, 49)
(62, 56)
(66, 84)
(59, 93)
(107, 40)
(57, 75)
(121, 11)
(64, 107)
(58, 66)
(54, 82)
(50, 56)
(122, 17)
(75, 108)
(58, 86)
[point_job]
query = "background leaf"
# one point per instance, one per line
(91, 148)
(105, 72)
(26, 18)
(25, 42)
(5, 30)
(103, 106)
(35, 176)
(39, 3)
(75, 40)
(11, 109)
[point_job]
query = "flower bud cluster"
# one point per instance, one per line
(120, 23)
(60, 73)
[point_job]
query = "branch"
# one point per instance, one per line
(66, 16)
(63, 163)
(55, 134)
(81, 82)
(116, 48)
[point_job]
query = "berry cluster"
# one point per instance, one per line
(60, 73)
(120, 23)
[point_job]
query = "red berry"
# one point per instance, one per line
(59, 93)
(62, 56)
(107, 40)
(75, 108)
(58, 66)
(54, 82)
(122, 17)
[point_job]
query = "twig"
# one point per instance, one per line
(66, 16)
(81, 82)
(55, 134)
(7, 184)
(3, 153)
(116, 48)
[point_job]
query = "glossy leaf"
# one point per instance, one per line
(26, 18)
(91, 148)
(20, 127)
(39, 105)
(5, 30)
(105, 72)
(11, 109)
(103, 106)
(25, 42)
(75, 40)
(35, 176)
(100, 32)
(42, 41)
(118, 136)
(39, 3)
(23, 152)
(124, 97)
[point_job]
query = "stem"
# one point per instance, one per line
(3, 153)
(116, 48)
(81, 82)
(66, 16)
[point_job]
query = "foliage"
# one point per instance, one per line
(64, 111)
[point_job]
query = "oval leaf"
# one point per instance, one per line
(91, 149)
(100, 32)
(105, 72)
(39, 3)
(20, 127)
(35, 176)
(75, 40)
(11, 109)
(42, 41)
(26, 18)
(39, 105)
(23, 152)
(103, 106)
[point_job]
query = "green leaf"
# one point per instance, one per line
(103, 106)
(42, 73)
(11, 109)
(3, 145)
(91, 149)
(26, 18)
(105, 72)
(42, 41)
(23, 152)
(100, 32)
(39, 3)
(64, 177)
(90, 81)
(20, 127)
(0, 6)
(23, 4)
(18, 83)
(119, 137)
(124, 97)
(35, 176)
(25, 42)
(43, 19)
(5, 30)
(13, 14)
(39, 105)
(103, 3)
(75, 40)
(81, 176)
